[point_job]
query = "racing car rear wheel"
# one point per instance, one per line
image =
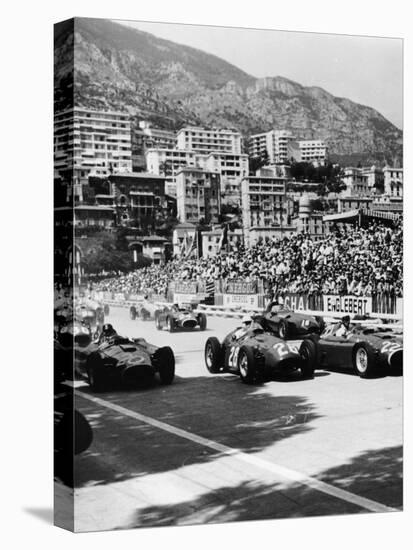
(214, 359)
(202, 321)
(246, 365)
(364, 361)
(106, 309)
(171, 326)
(132, 313)
(308, 352)
(100, 316)
(94, 373)
(145, 314)
(165, 360)
(283, 330)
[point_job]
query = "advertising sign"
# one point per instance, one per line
(353, 305)
(241, 300)
(236, 286)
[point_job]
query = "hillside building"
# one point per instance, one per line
(266, 209)
(89, 142)
(198, 195)
(202, 140)
(274, 142)
(393, 181)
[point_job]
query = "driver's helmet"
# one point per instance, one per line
(108, 330)
(346, 321)
(246, 320)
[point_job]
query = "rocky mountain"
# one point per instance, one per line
(117, 67)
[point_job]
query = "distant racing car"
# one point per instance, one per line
(366, 348)
(124, 361)
(254, 354)
(288, 324)
(179, 318)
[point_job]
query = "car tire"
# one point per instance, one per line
(165, 362)
(214, 357)
(246, 365)
(170, 324)
(132, 312)
(158, 323)
(202, 321)
(94, 373)
(106, 309)
(144, 314)
(283, 329)
(308, 352)
(99, 315)
(364, 360)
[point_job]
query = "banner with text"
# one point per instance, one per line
(353, 305)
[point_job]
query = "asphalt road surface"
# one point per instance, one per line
(210, 449)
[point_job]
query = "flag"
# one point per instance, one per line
(184, 244)
(191, 247)
(223, 241)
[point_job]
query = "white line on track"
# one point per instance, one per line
(287, 473)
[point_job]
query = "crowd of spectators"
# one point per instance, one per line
(357, 261)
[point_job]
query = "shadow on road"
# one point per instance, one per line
(364, 475)
(221, 408)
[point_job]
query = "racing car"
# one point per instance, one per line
(366, 348)
(142, 310)
(124, 361)
(179, 317)
(288, 324)
(254, 354)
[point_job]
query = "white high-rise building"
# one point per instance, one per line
(89, 142)
(201, 140)
(275, 142)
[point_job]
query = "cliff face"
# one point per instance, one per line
(117, 67)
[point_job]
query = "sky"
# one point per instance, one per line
(368, 70)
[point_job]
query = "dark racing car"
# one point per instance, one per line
(254, 354)
(179, 318)
(366, 348)
(116, 360)
(288, 324)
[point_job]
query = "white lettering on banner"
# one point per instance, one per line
(356, 305)
(180, 298)
(241, 300)
(296, 303)
(120, 297)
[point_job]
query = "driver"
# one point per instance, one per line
(107, 332)
(340, 329)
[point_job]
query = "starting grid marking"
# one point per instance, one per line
(287, 473)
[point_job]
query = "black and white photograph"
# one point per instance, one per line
(228, 274)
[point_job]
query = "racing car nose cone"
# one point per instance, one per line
(189, 323)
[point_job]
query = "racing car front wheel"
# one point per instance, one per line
(94, 373)
(165, 360)
(364, 362)
(202, 321)
(171, 326)
(246, 365)
(283, 330)
(213, 355)
(157, 321)
(308, 352)
(132, 313)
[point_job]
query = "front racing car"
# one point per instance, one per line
(255, 355)
(125, 362)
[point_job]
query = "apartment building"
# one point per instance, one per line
(275, 142)
(266, 209)
(231, 168)
(393, 181)
(308, 150)
(201, 140)
(89, 142)
(198, 195)
(145, 137)
(356, 182)
(169, 162)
